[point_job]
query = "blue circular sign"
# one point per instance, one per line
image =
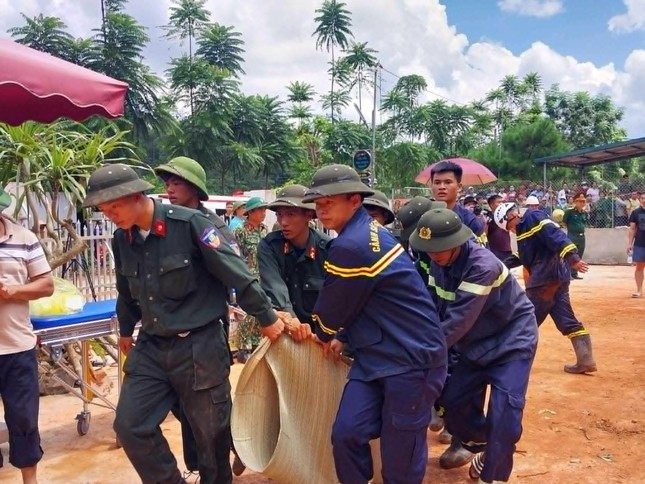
(362, 160)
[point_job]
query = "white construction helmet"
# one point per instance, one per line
(500, 214)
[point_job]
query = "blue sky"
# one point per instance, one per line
(463, 48)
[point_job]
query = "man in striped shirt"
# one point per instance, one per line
(24, 275)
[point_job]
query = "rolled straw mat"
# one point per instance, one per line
(285, 404)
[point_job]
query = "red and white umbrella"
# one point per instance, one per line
(474, 172)
(35, 86)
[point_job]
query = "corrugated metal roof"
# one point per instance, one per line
(596, 155)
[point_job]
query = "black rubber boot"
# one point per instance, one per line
(455, 455)
(436, 422)
(584, 355)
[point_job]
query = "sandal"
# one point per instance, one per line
(637, 295)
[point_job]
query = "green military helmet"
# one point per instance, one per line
(291, 196)
(253, 203)
(186, 169)
(438, 230)
(410, 213)
(111, 182)
(380, 200)
(237, 205)
(336, 180)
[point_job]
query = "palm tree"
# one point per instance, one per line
(300, 92)
(301, 112)
(412, 86)
(46, 34)
(333, 30)
(187, 19)
(221, 46)
(335, 101)
(360, 58)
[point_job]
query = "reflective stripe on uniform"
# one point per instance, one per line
(325, 329)
(373, 271)
(536, 229)
(567, 248)
(471, 287)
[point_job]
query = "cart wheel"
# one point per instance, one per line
(83, 423)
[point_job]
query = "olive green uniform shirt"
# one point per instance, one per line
(293, 278)
(575, 221)
(175, 279)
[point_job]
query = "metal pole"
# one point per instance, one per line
(373, 172)
(544, 185)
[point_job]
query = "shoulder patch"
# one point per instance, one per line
(210, 238)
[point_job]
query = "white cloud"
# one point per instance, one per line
(411, 36)
(633, 19)
(532, 8)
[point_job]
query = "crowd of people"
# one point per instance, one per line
(435, 320)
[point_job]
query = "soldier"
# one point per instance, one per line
(487, 317)
(172, 274)
(576, 220)
(373, 291)
(378, 206)
(291, 259)
(185, 181)
(546, 253)
(248, 236)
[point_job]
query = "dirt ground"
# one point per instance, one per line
(577, 429)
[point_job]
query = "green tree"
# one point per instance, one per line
(584, 120)
(361, 59)
(333, 30)
(222, 47)
(300, 92)
(46, 34)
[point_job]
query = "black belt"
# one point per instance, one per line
(183, 334)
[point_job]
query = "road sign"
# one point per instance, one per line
(362, 160)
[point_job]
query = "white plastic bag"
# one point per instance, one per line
(67, 299)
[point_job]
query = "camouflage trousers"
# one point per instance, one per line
(248, 334)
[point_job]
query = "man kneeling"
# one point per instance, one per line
(487, 317)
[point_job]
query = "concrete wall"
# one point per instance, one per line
(606, 246)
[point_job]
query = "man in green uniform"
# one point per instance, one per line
(576, 220)
(185, 181)
(172, 274)
(248, 236)
(291, 260)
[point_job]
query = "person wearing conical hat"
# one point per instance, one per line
(576, 220)
(487, 317)
(546, 253)
(172, 272)
(290, 260)
(374, 293)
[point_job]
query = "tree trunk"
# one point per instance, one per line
(333, 78)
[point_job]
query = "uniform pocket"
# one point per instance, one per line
(130, 270)
(310, 290)
(411, 422)
(176, 276)
(211, 359)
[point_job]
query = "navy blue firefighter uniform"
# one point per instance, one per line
(488, 319)
(373, 291)
(547, 254)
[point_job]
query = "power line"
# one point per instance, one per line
(427, 90)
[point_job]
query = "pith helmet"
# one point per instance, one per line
(186, 169)
(438, 230)
(291, 196)
(410, 213)
(253, 203)
(111, 182)
(335, 180)
(379, 200)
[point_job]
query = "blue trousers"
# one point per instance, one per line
(500, 429)
(21, 398)
(397, 409)
(553, 299)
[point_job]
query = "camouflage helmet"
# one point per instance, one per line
(187, 169)
(335, 180)
(291, 196)
(379, 200)
(410, 213)
(438, 230)
(111, 182)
